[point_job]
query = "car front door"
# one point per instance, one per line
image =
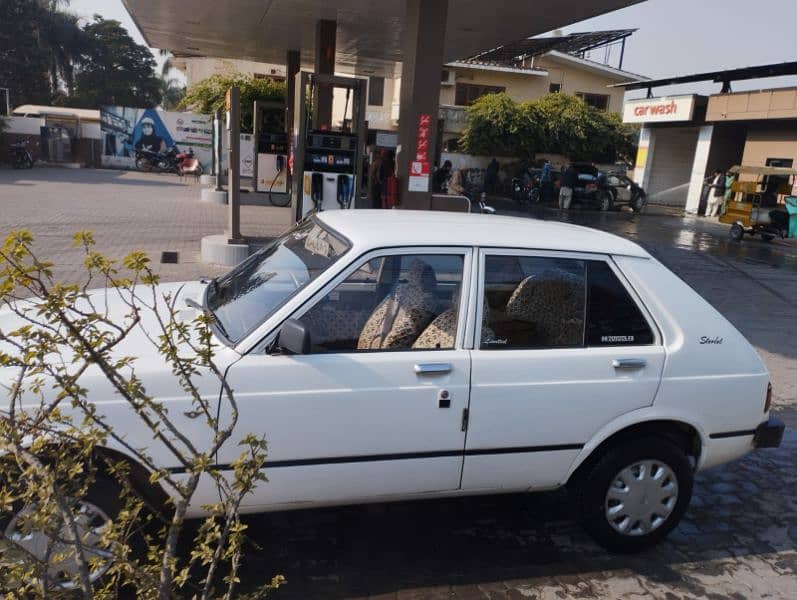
(566, 348)
(375, 409)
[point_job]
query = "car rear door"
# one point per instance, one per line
(347, 423)
(566, 348)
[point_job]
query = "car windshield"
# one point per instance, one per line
(246, 296)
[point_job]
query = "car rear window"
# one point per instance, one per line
(613, 318)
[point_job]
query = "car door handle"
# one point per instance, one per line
(629, 363)
(433, 368)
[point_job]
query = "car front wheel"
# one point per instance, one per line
(636, 494)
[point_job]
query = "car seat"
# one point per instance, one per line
(553, 303)
(441, 333)
(404, 313)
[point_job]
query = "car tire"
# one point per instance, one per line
(656, 477)
(736, 232)
(639, 203)
(103, 504)
(606, 202)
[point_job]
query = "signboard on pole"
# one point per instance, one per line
(419, 166)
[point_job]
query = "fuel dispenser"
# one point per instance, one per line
(327, 157)
(271, 150)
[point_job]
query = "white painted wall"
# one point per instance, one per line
(23, 125)
(699, 169)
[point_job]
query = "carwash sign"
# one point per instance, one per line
(659, 110)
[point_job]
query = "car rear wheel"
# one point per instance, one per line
(639, 203)
(737, 232)
(636, 494)
(606, 201)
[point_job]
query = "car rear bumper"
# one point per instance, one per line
(769, 434)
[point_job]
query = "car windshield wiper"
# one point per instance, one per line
(194, 304)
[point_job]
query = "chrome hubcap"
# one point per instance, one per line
(641, 497)
(54, 549)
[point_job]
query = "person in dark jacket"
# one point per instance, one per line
(491, 176)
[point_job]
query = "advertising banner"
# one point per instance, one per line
(125, 130)
(659, 110)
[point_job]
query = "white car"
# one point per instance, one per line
(397, 355)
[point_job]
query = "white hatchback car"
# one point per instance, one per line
(395, 355)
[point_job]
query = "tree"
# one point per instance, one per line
(114, 70)
(172, 92)
(492, 127)
(23, 60)
(82, 504)
(208, 95)
(556, 123)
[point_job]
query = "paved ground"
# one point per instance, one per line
(738, 540)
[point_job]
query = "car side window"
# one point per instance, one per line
(533, 302)
(613, 318)
(390, 303)
(616, 181)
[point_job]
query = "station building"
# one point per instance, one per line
(685, 138)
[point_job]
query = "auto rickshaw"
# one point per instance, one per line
(754, 206)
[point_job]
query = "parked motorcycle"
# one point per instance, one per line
(526, 190)
(157, 162)
(188, 164)
(19, 154)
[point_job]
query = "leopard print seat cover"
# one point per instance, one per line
(404, 313)
(441, 332)
(552, 304)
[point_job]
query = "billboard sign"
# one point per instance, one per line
(659, 110)
(125, 130)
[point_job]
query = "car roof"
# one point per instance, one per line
(369, 229)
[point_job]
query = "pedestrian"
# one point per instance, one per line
(716, 193)
(569, 180)
(730, 179)
(375, 181)
(456, 185)
(491, 176)
(441, 177)
(546, 183)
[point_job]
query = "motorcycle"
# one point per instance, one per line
(157, 162)
(526, 190)
(187, 164)
(19, 154)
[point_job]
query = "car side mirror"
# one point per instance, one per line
(294, 338)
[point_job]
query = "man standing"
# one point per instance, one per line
(546, 185)
(491, 176)
(375, 180)
(569, 180)
(716, 193)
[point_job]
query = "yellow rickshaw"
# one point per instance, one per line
(755, 206)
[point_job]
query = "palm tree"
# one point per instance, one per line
(62, 39)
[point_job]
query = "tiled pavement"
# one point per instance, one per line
(739, 537)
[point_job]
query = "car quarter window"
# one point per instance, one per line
(533, 302)
(390, 303)
(613, 318)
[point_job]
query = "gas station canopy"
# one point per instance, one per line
(369, 34)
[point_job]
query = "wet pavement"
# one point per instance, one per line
(739, 537)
